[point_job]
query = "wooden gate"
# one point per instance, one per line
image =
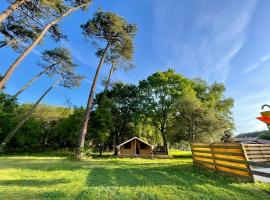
(227, 158)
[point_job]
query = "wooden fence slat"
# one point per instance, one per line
(229, 153)
(202, 156)
(238, 158)
(259, 173)
(259, 160)
(257, 148)
(259, 164)
(258, 152)
(227, 150)
(204, 162)
(237, 166)
(230, 160)
(203, 159)
(194, 144)
(234, 171)
(259, 156)
(200, 151)
(225, 144)
(227, 147)
(200, 145)
(256, 145)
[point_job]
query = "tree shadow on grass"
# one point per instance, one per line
(32, 182)
(182, 179)
(141, 175)
(182, 156)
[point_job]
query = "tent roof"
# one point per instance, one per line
(134, 139)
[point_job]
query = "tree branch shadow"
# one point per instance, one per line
(32, 182)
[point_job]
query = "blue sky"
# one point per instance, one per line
(224, 41)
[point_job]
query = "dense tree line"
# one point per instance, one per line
(165, 109)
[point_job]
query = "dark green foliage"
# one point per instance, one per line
(28, 137)
(111, 28)
(227, 137)
(265, 135)
(159, 93)
(7, 107)
(195, 122)
(50, 127)
(64, 132)
(213, 97)
(101, 124)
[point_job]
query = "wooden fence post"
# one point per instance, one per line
(246, 160)
(213, 156)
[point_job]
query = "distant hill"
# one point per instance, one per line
(252, 134)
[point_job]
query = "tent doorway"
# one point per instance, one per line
(138, 148)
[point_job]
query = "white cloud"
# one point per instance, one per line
(77, 53)
(227, 26)
(254, 66)
(205, 43)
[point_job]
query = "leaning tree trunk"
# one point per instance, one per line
(11, 9)
(89, 107)
(107, 83)
(26, 117)
(35, 43)
(32, 80)
(109, 77)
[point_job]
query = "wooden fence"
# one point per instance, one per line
(228, 158)
(258, 156)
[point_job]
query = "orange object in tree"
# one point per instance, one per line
(264, 119)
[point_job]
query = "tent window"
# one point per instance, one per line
(143, 146)
(127, 145)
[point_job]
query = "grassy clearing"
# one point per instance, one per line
(41, 177)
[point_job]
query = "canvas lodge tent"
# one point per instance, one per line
(135, 147)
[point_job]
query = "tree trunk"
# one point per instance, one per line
(120, 132)
(26, 117)
(165, 142)
(107, 83)
(35, 43)
(109, 78)
(89, 107)
(100, 150)
(116, 142)
(32, 80)
(11, 9)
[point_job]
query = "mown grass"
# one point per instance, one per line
(54, 177)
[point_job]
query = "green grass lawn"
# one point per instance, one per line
(48, 177)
